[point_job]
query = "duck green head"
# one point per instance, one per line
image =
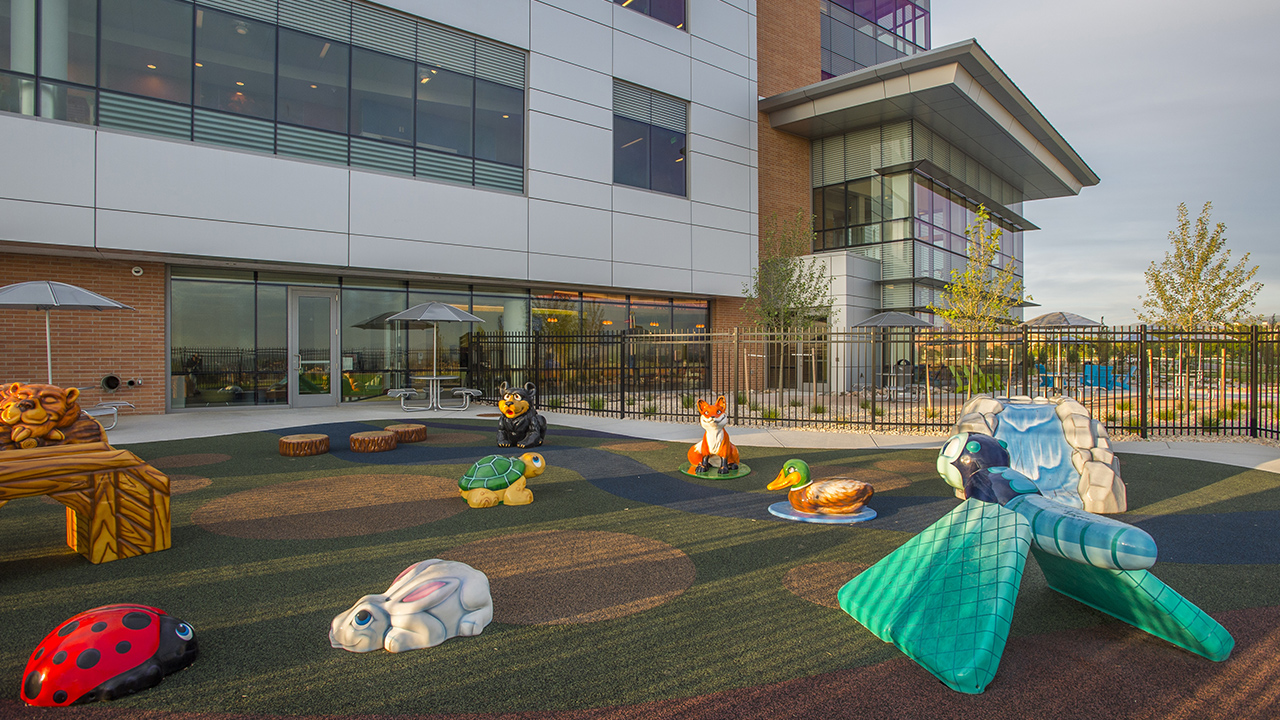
(794, 474)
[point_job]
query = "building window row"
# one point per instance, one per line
(671, 12)
(228, 329)
(649, 133)
(423, 100)
(860, 33)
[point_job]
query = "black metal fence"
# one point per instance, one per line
(1134, 379)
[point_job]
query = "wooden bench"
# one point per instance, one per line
(117, 504)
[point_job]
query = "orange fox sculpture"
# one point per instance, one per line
(714, 449)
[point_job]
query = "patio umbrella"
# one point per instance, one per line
(434, 313)
(1060, 319)
(48, 295)
(893, 319)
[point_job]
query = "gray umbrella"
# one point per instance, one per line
(434, 312)
(1060, 319)
(893, 319)
(48, 295)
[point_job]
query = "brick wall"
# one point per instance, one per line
(789, 41)
(88, 344)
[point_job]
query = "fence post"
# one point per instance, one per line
(1253, 381)
(1144, 368)
(733, 383)
(1026, 367)
(622, 374)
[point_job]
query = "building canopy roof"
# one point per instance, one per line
(958, 92)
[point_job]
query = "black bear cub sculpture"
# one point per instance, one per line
(521, 425)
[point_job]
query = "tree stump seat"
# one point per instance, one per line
(304, 444)
(373, 441)
(409, 432)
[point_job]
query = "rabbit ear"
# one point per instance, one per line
(424, 595)
(407, 576)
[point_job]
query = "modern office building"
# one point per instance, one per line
(266, 181)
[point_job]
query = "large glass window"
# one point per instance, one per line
(68, 41)
(146, 48)
(213, 339)
(235, 64)
(313, 81)
(381, 96)
(445, 102)
(671, 12)
(630, 152)
(18, 35)
(499, 123)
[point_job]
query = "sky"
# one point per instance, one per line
(1168, 102)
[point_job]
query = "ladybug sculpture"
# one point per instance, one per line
(106, 653)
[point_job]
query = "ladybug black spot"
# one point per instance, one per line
(98, 626)
(59, 656)
(39, 654)
(88, 658)
(136, 620)
(123, 647)
(69, 628)
(60, 696)
(31, 687)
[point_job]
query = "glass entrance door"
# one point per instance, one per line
(313, 347)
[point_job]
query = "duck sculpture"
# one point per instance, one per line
(831, 496)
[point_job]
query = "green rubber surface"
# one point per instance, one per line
(945, 598)
(1142, 600)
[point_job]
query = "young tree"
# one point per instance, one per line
(787, 290)
(981, 297)
(1196, 284)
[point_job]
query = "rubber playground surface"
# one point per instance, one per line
(626, 589)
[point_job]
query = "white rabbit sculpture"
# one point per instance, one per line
(428, 603)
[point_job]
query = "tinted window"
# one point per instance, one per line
(499, 123)
(68, 48)
(18, 35)
(381, 96)
(666, 166)
(235, 64)
(630, 152)
(445, 100)
(146, 48)
(313, 81)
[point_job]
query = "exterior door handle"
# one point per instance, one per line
(297, 362)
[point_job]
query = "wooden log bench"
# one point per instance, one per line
(117, 504)
(409, 432)
(373, 441)
(304, 444)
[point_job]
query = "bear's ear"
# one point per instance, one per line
(12, 389)
(72, 394)
(502, 388)
(531, 388)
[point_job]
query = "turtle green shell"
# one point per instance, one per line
(493, 472)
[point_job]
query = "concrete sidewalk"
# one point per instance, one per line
(205, 423)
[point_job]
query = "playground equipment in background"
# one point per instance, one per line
(946, 597)
(829, 500)
(714, 450)
(106, 653)
(428, 603)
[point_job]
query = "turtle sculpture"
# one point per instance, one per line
(498, 480)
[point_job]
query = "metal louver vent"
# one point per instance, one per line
(447, 49)
(830, 161)
(500, 64)
(256, 9)
(384, 31)
(124, 112)
(630, 101)
(449, 168)
(670, 113)
(234, 130)
(895, 141)
(501, 177)
(862, 153)
(327, 18)
(381, 156)
(637, 103)
(311, 144)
